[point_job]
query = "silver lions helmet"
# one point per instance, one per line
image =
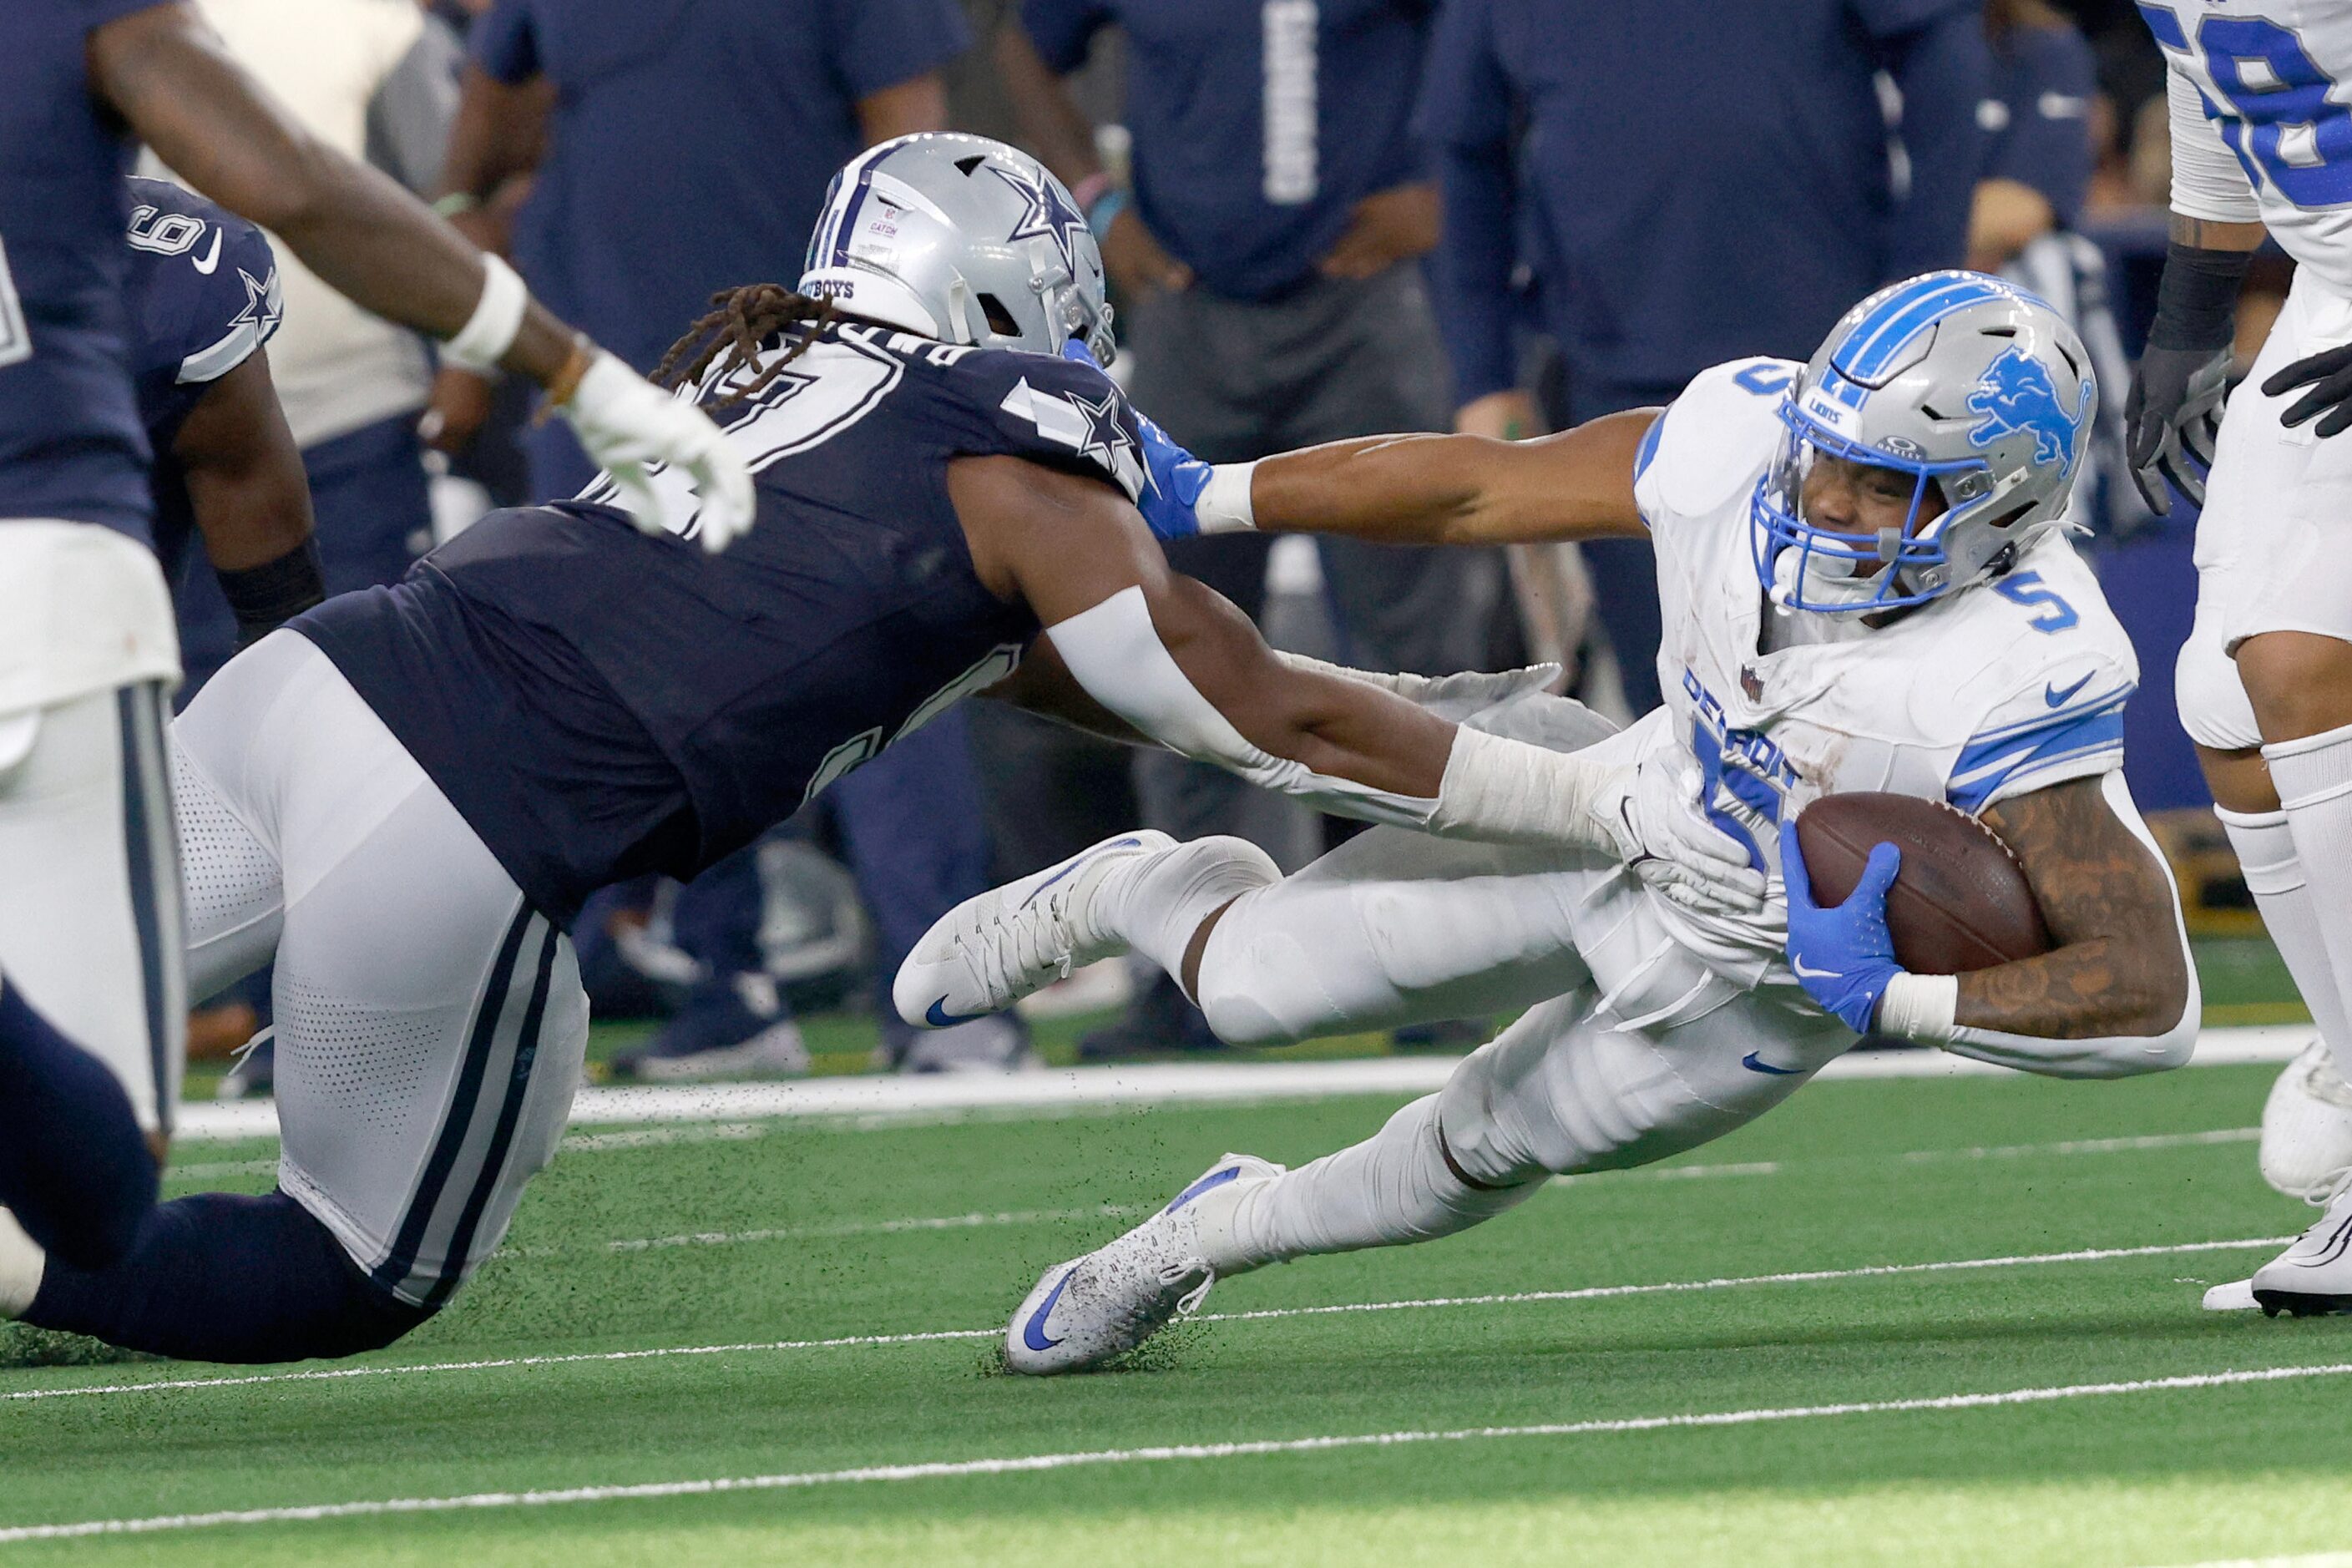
(962, 239)
(1977, 390)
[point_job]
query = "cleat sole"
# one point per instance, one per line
(2302, 1304)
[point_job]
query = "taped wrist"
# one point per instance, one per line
(2197, 301)
(1224, 505)
(1919, 1007)
(1507, 792)
(267, 596)
(490, 331)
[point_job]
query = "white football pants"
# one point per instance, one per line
(1632, 1049)
(430, 1022)
(89, 876)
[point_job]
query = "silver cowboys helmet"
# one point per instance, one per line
(962, 239)
(1978, 390)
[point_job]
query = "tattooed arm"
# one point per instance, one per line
(2117, 994)
(2118, 967)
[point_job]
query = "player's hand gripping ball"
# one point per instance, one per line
(1883, 884)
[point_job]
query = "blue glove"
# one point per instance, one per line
(1844, 956)
(1174, 478)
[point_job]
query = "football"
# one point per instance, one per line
(1960, 901)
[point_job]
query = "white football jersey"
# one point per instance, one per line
(2261, 96)
(1989, 692)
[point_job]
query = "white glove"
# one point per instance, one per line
(1650, 811)
(632, 429)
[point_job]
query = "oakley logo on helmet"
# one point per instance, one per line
(2015, 394)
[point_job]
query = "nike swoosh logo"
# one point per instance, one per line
(938, 1017)
(2057, 698)
(1032, 1332)
(1796, 964)
(1753, 1064)
(210, 259)
(1117, 844)
(1213, 1180)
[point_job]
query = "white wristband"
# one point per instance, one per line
(1919, 1007)
(1224, 504)
(490, 331)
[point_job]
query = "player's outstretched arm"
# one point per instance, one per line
(1176, 662)
(2117, 993)
(167, 75)
(251, 499)
(1413, 489)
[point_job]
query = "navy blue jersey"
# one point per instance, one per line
(203, 297)
(598, 703)
(1711, 176)
(70, 445)
(1258, 127)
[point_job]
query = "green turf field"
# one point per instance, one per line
(672, 1373)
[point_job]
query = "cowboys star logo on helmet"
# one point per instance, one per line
(1049, 214)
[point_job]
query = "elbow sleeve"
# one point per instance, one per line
(1114, 651)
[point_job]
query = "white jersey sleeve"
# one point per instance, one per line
(1708, 448)
(2208, 181)
(1711, 443)
(2056, 697)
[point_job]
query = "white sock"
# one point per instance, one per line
(1393, 1187)
(1155, 902)
(22, 1263)
(2314, 777)
(2274, 875)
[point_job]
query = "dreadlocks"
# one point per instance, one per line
(745, 320)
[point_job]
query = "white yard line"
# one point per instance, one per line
(1585, 1293)
(2095, 1145)
(931, 1096)
(1025, 1464)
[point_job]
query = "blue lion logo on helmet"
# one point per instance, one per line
(2015, 394)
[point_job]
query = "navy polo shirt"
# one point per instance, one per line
(692, 142)
(2038, 115)
(1258, 124)
(1710, 177)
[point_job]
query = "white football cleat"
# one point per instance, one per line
(991, 951)
(2313, 1277)
(2307, 1127)
(2237, 1296)
(1094, 1309)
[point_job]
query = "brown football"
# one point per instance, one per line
(1960, 902)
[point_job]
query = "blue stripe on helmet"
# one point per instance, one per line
(1899, 297)
(1867, 357)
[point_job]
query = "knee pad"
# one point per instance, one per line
(2307, 1145)
(2214, 708)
